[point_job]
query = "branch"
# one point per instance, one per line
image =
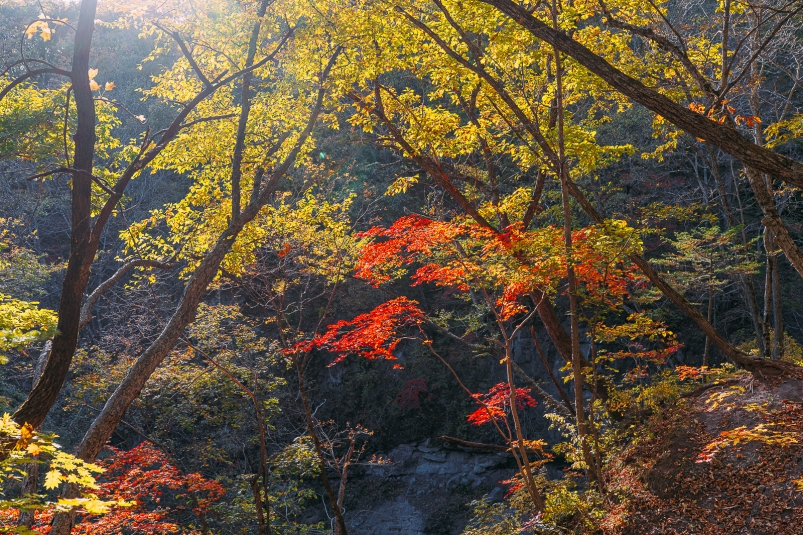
(760, 49)
(495, 84)
(267, 189)
(668, 46)
(724, 137)
(187, 54)
(478, 445)
(67, 170)
(37, 176)
(532, 208)
(549, 401)
(431, 166)
(27, 60)
(30, 74)
(86, 310)
(198, 121)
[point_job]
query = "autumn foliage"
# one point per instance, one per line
(160, 498)
(373, 335)
(495, 402)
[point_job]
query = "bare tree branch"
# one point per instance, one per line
(86, 310)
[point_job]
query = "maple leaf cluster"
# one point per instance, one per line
(513, 263)
(495, 402)
(408, 240)
(459, 256)
(373, 335)
(602, 273)
(154, 494)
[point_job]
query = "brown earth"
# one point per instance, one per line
(677, 481)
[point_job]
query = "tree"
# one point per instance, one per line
(704, 261)
(86, 234)
(497, 275)
(152, 150)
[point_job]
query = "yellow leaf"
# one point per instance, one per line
(93, 73)
(26, 432)
(52, 479)
(109, 86)
(93, 85)
(32, 29)
(33, 449)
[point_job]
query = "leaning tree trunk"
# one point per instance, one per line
(722, 136)
(129, 389)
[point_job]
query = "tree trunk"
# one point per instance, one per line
(777, 313)
(46, 390)
(722, 136)
(749, 290)
(772, 220)
(711, 321)
(129, 389)
(574, 304)
(755, 365)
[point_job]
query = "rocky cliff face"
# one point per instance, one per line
(425, 489)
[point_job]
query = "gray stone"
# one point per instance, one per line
(421, 482)
(398, 517)
(401, 454)
(436, 457)
(496, 495)
(426, 447)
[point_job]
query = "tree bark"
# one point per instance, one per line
(711, 321)
(772, 220)
(574, 303)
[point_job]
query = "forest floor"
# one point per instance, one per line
(728, 460)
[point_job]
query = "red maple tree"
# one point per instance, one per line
(161, 498)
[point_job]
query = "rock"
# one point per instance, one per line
(398, 517)
(453, 482)
(401, 454)
(424, 478)
(496, 495)
(437, 456)
(426, 447)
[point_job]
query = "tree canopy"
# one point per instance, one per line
(249, 247)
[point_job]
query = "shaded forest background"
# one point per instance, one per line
(244, 397)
